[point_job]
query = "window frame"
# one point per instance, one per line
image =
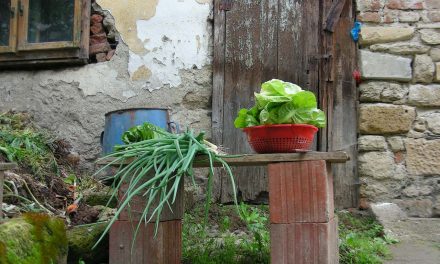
(47, 53)
(13, 20)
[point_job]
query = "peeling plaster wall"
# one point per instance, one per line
(162, 61)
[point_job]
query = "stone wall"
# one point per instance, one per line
(157, 63)
(399, 120)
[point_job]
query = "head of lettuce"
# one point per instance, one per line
(281, 102)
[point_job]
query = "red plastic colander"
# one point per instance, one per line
(281, 138)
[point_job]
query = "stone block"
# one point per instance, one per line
(409, 17)
(373, 35)
(423, 69)
(378, 66)
(432, 4)
(371, 143)
(416, 208)
(433, 122)
(415, 191)
(437, 72)
(396, 144)
(435, 54)
(433, 16)
(422, 157)
(378, 165)
(430, 36)
(369, 5)
(386, 92)
(424, 95)
(406, 4)
(385, 119)
(388, 212)
(401, 48)
(372, 17)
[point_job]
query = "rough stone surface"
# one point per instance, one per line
(373, 35)
(423, 69)
(433, 122)
(375, 118)
(424, 95)
(408, 17)
(437, 206)
(403, 48)
(371, 143)
(378, 66)
(415, 191)
(435, 54)
(378, 165)
(417, 208)
(432, 4)
(396, 144)
(386, 92)
(369, 5)
(423, 157)
(437, 72)
(388, 212)
(430, 36)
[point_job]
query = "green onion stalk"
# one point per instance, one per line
(164, 159)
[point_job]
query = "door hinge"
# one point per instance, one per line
(225, 5)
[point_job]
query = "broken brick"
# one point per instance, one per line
(97, 29)
(101, 57)
(96, 19)
(98, 39)
(110, 54)
(99, 48)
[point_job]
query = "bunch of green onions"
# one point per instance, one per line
(166, 158)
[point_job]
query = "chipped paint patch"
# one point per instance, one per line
(126, 13)
(177, 37)
(142, 73)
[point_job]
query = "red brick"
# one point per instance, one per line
(97, 29)
(166, 247)
(364, 204)
(98, 39)
(406, 4)
(99, 48)
(305, 243)
(369, 5)
(96, 19)
(300, 192)
(373, 17)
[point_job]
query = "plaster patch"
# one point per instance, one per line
(105, 80)
(176, 37)
(126, 13)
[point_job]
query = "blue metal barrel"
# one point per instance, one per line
(117, 122)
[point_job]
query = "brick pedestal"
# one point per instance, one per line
(303, 226)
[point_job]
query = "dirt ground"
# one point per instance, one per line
(419, 241)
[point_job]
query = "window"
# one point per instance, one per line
(36, 32)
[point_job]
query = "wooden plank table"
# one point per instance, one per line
(303, 227)
(3, 168)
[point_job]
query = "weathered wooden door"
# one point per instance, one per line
(258, 40)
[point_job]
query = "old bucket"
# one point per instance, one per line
(119, 121)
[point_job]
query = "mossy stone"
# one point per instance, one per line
(82, 239)
(33, 239)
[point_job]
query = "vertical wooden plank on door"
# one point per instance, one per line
(343, 106)
(298, 42)
(250, 59)
(218, 67)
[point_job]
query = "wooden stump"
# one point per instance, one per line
(303, 225)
